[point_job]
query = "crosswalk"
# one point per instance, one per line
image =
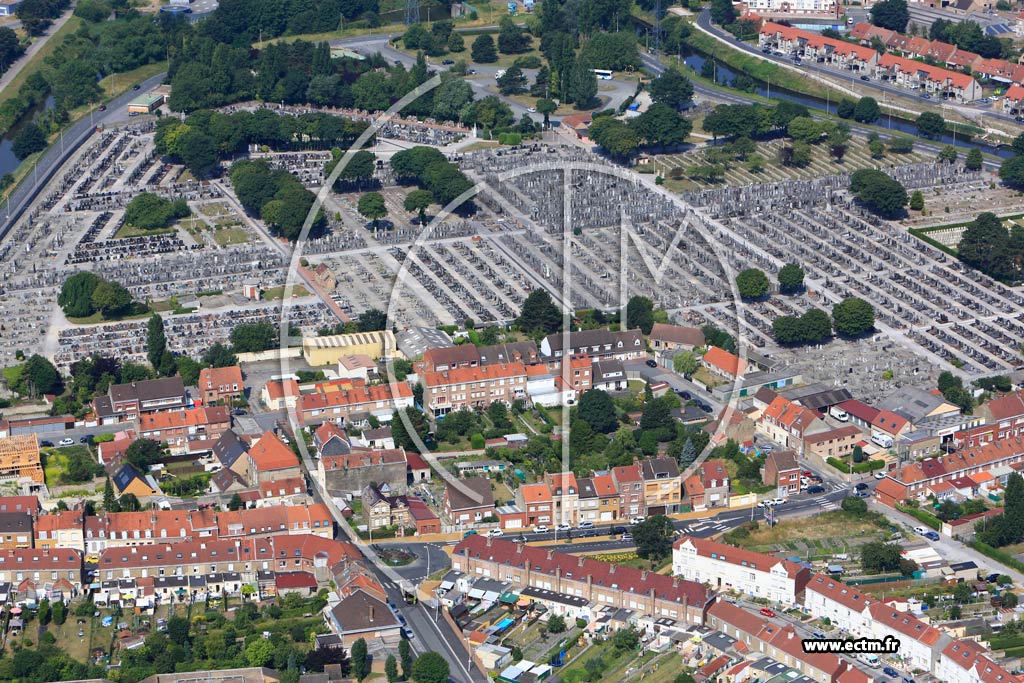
(713, 527)
(825, 503)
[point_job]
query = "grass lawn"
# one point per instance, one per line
(704, 375)
(33, 65)
(831, 532)
(97, 317)
(132, 231)
(481, 144)
(230, 236)
(117, 84)
(275, 293)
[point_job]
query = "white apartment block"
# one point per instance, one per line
(725, 567)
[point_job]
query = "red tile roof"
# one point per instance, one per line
(904, 623)
(737, 556)
(724, 361)
(270, 454)
(478, 374)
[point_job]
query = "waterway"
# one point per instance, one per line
(9, 162)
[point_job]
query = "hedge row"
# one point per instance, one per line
(861, 468)
(921, 516)
(997, 555)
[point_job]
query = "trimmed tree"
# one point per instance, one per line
(371, 206)
(853, 317)
(752, 283)
(791, 278)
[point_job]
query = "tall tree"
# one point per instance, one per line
(360, 660)
(640, 313)
(391, 669)
(582, 86)
(156, 340)
(371, 206)
(540, 315)
(853, 317)
(109, 500)
(672, 88)
(597, 409)
(653, 537)
(483, 50)
(791, 278)
(890, 14)
(430, 667)
(406, 657)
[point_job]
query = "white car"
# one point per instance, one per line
(564, 526)
(879, 475)
(586, 525)
(495, 532)
(922, 530)
(540, 529)
(637, 520)
(67, 441)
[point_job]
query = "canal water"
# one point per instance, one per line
(9, 162)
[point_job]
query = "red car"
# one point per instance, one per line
(807, 473)
(767, 612)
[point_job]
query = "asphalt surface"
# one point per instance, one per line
(60, 151)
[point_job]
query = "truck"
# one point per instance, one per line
(838, 413)
(869, 659)
(881, 439)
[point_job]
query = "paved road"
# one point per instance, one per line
(25, 193)
(35, 47)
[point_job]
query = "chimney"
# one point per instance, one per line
(581, 560)
(551, 553)
(643, 575)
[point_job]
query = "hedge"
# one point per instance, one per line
(921, 516)
(862, 468)
(997, 555)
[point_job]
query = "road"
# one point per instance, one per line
(35, 47)
(74, 135)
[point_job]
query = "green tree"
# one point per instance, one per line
(399, 431)
(430, 667)
(929, 124)
(640, 313)
(512, 82)
(539, 315)
(360, 660)
(142, 453)
(259, 652)
(156, 340)
(722, 12)
(38, 377)
(406, 658)
(890, 14)
(511, 39)
(391, 669)
(845, 108)
(1011, 172)
(60, 612)
(879, 192)
(219, 356)
(985, 245)
(556, 624)
(877, 149)
(455, 43)
(236, 503)
(1009, 599)
(109, 500)
(791, 278)
(974, 160)
(582, 85)
(598, 410)
(483, 50)
(685, 362)
(75, 297)
(916, 200)
(254, 337)
(853, 317)
(371, 206)
(854, 505)
(153, 212)
(418, 201)
(29, 140)
(626, 638)
(653, 537)
(948, 154)
(866, 110)
(672, 88)
(178, 630)
(878, 557)
(546, 107)
(752, 283)
(110, 298)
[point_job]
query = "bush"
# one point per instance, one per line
(477, 441)
(151, 212)
(997, 555)
(922, 516)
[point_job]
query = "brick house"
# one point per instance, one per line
(782, 471)
(473, 387)
(535, 501)
(221, 384)
(467, 501)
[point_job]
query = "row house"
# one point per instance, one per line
(630, 483)
(177, 427)
(473, 388)
(932, 79)
(36, 573)
(781, 643)
(1005, 414)
(782, 471)
(818, 7)
(841, 53)
(833, 443)
(221, 384)
(273, 521)
(1013, 100)
(535, 501)
(965, 661)
(246, 556)
(663, 485)
(914, 480)
(565, 496)
(64, 529)
(603, 583)
(126, 402)
(609, 375)
(270, 459)
(346, 468)
(599, 499)
(281, 394)
(15, 530)
(470, 356)
(708, 486)
(467, 501)
(785, 38)
(725, 567)
(288, 491)
(665, 337)
(404, 512)
(600, 344)
(352, 400)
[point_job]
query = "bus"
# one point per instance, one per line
(603, 74)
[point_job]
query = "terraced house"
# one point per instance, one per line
(726, 567)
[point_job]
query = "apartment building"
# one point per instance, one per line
(473, 387)
(352, 400)
(270, 459)
(601, 583)
(126, 402)
(177, 427)
(789, 7)
(726, 567)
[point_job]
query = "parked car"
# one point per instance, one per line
(932, 536)
(532, 110)
(862, 494)
(564, 526)
(637, 520)
(618, 530)
(136, 86)
(815, 489)
(46, 444)
(88, 438)
(67, 441)
(767, 612)
(493, 533)
(471, 532)
(408, 634)
(685, 395)
(448, 62)
(103, 107)
(879, 475)
(818, 634)
(860, 486)
(889, 671)
(586, 525)
(651, 363)
(540, 529)
(628, 538)
(471, 72)
(865, 78)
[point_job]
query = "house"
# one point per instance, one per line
(920, 643)
(1006, 414)
(473, 388)
(125, 402)
(623, 345)
(662, 485)
(965, 661)
(833, 443)
(380, 510)
(565, 496)
(449, 358)
(714, 483)
(357, 366)
(1012, 100)
(221, 384)
(177, 427)
(418, 468)
(888, 422)
(629, 481)
(599, 499)
(15, 530)
(610, 585)
(129, 480)
(932, 79)
(726, 567)
(342, 473)
(609, 375)
(232, 453)
(19, 458)
(350, 398)
(379, 437)
(664, 337)
(27, 504)
(525, 352)
(722, 363)
(363, 616)
(64, 529)
(789, 424)
(422, 517)
(535, 501)
(782, 470)
(280, 394)
(270, 459)
(282, 491)
(467, 501)
(37, 573)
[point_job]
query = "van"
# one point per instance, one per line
(838, 413)
(869, 659)
(880, 439)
